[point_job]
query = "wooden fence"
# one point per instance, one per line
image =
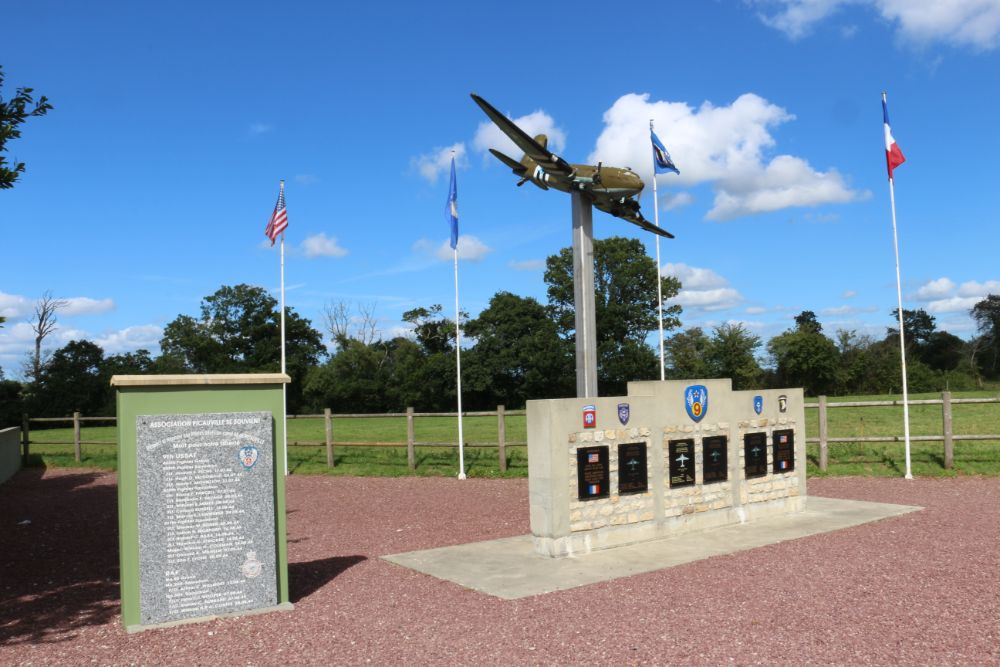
(946, 402)
(947, 436)
(501, 413)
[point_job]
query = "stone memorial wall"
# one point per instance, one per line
(668, 458)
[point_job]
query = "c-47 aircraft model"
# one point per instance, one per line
(610, 189)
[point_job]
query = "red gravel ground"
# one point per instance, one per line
(918, 589)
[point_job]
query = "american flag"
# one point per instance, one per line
(279, 219)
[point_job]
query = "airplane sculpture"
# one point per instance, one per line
(610, 189)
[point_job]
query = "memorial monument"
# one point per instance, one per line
(201, 509)
(669, 458)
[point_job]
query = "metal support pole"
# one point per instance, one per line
(583, 297)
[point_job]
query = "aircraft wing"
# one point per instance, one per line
(554, 165)
(628, 211)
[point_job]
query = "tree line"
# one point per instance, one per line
(516, 349)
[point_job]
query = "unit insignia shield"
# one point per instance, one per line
(589, 416)
(696, 401)
(248, 456)
(623, 413)
(782, 403)
(758, 404)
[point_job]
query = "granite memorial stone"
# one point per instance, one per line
(783, 443)
(681, 453)
(714, 464)
(755, 454)
(206, 515)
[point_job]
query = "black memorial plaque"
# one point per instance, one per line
(632, 477)
(783, 443)
(713, 459)
(592, 474)
(681, 462)
(755, 454)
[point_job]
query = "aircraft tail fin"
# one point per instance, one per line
(516, 166)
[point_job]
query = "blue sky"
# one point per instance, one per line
(149, 184)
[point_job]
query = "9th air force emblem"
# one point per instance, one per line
(696, 401)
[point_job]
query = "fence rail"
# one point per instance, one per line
(328, 416)
(947, 436)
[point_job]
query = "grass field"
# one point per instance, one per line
(307, 455)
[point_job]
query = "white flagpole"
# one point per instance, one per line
(902, 341)
(284, 386)
(659, 279)
(458, 372)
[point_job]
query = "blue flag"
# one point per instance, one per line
(661, 158)
(452, 208)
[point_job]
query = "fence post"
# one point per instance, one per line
(502, 438)
(329, 437)
(411, 456)
(76, 436)
(949, 443)
(25, 440)
(824, 446)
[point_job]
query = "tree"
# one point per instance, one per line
(71, 381)
(806, 321)
(918, 325)
(517, 355)
(239, 331)
(342, 326)
(625, 308)
(43, 324)
(13, 113)
(435, 333)
(686, 355)
(730, 354)
(804, 357)
(986, 352)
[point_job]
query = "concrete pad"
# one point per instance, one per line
(509, 568)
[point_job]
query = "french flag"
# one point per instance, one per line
(893, 156)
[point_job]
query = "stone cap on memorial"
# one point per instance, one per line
(199, 379)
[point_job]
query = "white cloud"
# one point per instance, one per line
(82, 305)
(973, 23)
(307, 179)
(756, 310)
(469, 248)
(701, 289)
(321, 245)
(722, 145)
(527, 264)
(942, 297)
(14, 305)
(259, 128)
(129, 339)
(935, 289)
(438, 161)
(671, 201)
(693, 277)
(849, 294)
(979, 290)
(953, 304)
(488, 135)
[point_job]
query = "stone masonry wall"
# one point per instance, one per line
(773, 485)
(701, 497)
(615, 510)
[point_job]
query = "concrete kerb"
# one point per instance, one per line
(509, 568)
